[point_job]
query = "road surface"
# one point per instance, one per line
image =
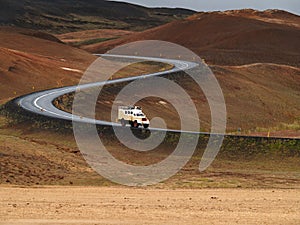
(41, 102)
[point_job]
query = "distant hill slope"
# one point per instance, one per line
(32, 61)
(229, 38)
(61, 16)
(89, 37)
(260, 95)
(254, 55)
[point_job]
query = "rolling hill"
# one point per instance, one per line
(89, 37)
(62, 16)
(33, 60)
(255, 56)
(229, 38)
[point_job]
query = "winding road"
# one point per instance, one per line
(41, 102)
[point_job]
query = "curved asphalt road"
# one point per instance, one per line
(41, 102)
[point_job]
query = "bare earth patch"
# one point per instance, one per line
(69, 205)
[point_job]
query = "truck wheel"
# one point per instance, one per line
(146, 126)
(123, 122)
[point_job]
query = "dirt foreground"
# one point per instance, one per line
(87, 205)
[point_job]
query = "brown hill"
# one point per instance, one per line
(257, 96)
(88, 37)
(32, 61)
(255, 56)
(229, 38)
(61, 16)
(259, 76)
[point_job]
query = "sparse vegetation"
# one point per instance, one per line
(62, 17)
(282, 126)
(266, 162)
(92, 41)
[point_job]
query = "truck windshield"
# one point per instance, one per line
(140, 114)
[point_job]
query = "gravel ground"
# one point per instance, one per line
(106, 205)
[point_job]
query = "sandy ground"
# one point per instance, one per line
(87, 205)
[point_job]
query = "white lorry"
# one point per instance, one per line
(132, 115)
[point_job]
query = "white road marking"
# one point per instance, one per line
(72, 70)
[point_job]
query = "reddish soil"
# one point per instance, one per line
(255, 56)
(229, 38)
(33, 61)
(256, 96)
(31, 156)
